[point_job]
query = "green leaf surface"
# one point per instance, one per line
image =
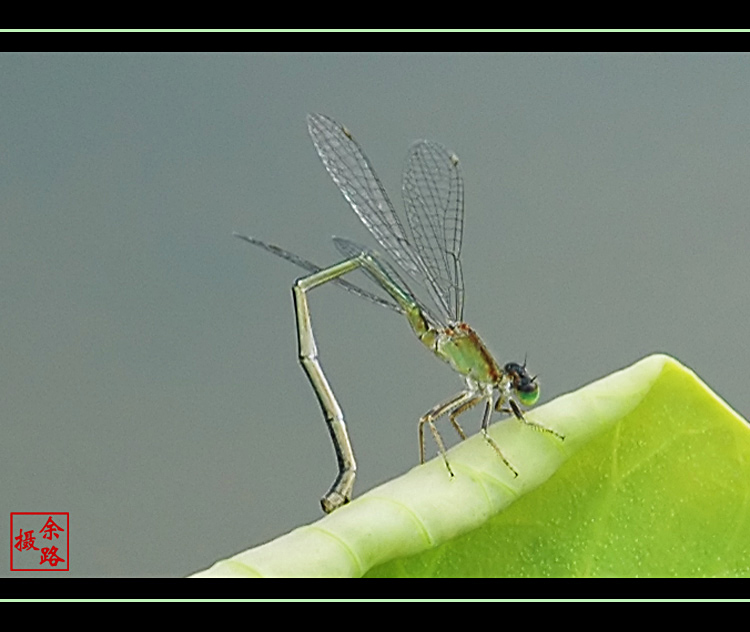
(652, 480)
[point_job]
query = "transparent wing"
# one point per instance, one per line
(433, 191)
(349, 248)
(352, 172)
(310, 266)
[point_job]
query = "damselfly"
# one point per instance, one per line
(430, 255)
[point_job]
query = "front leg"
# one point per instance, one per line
(516, 411)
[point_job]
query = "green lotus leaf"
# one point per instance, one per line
(652, 480)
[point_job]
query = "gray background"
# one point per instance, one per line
(149, 379)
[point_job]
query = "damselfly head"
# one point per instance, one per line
(525, 386)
